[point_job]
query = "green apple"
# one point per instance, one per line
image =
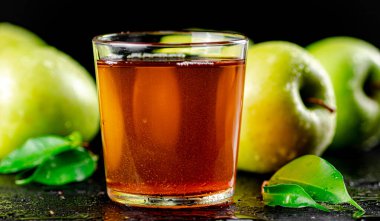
(12, 36)
(200, 35)
(288, 107)
(354, 68)
(43, 91)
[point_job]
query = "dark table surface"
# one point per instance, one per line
(88, 200)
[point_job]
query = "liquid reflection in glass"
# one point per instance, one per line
(112, 211)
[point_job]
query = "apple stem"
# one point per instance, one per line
(320, 102)
(375, 85)
(85, 144)
(265, 183)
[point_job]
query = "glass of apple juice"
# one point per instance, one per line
(170, 106)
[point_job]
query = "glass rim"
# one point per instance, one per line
(236, 39)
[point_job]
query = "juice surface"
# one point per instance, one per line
(170, 127)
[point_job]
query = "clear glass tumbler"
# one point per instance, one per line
(171, 106)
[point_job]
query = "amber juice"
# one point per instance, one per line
(170, 128)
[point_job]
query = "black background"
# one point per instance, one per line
(70, 25)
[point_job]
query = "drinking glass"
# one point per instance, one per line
(170, 104)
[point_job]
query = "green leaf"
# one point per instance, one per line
(317, 177)
(289, 195)
(36, 150)
(70, 166)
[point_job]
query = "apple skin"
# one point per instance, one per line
(43, 91)
(12, 36)
(276, 125)
(352, 63)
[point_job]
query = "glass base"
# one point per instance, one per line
(172, 202)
